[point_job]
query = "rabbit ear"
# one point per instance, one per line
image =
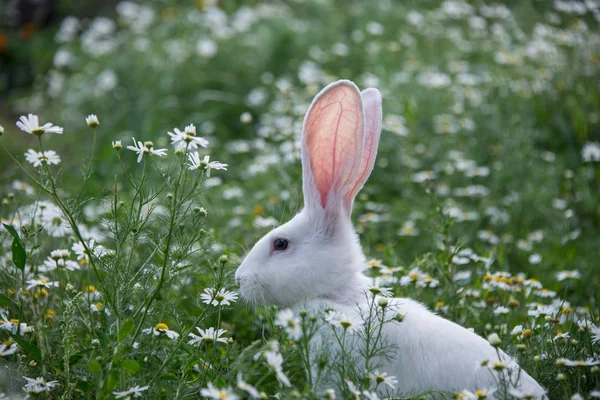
(332, 143)
(373, 114)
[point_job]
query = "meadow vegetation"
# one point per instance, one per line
(121, 230)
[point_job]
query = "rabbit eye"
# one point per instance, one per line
(280, 244)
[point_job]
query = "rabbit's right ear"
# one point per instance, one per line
(332, 147)
(373, 116)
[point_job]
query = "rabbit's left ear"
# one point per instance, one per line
(373, 115)
(332, 148)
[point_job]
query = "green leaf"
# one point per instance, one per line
(28, 347)
(74, 359)
(169, 376)
(84, 386)
(125, 330)
(18, 250)
(5, 301)
(95, 368)
(130, 366)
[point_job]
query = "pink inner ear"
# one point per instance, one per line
(334, 136)
(372, 108)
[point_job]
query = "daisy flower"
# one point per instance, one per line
(208, 335)
(562, 275)
(195, 163)
(8, 349)
(291, 323)
(590, 151)
(246, 387)
(275, 362)
(31, 124)
(561, 336)
(370, 395)
(377, 289)
(92, 121)
(187, 138)
(97, 250)
(31, 283)
(522, 394)
(382, 377)
(161, 329)
(375, 264)
(145, 148)
(50, 264)
(337, 319)
(136, 391)
(353, 389)
(476, 395)
(213, 392)
(57, 226)
(590, 362)
(99, 307)
(37, 158)
(14, 325)
(38, 385)
(408, 229)
(595, 331)
(222, 297)
(517, 330)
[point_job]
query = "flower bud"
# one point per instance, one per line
(223, 259)
(494, 339)
(382, 302)
(513, 303)
(303, 313)
(246, 118)
(521, 347)
(92, 121)
(527, 333)
(561, 377)
(117, 145)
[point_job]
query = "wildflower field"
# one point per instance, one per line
(158, 141)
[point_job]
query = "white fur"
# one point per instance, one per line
(323, 263)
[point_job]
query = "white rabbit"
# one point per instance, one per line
(316, 258)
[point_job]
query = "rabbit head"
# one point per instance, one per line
(317, 254)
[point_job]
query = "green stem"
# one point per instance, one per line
(166, 251)
(76, 231)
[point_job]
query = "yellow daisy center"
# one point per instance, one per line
(161, 326)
